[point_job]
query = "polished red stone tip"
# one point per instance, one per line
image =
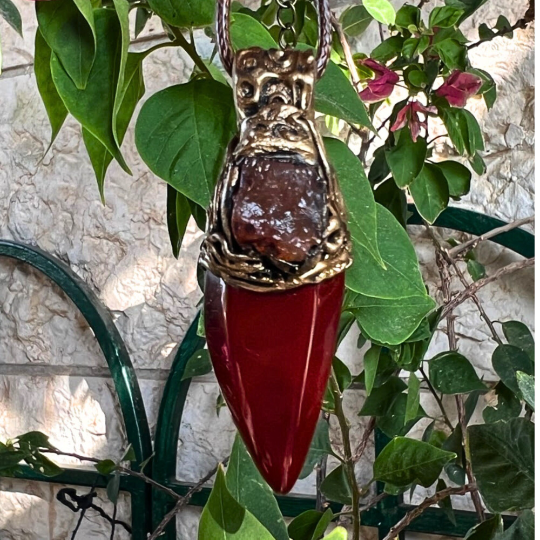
(272, 354)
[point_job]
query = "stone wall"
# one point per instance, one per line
(52, 374)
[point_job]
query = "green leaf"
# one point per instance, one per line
(93, 106)
(478, 164)
(69, 28)
(391, 321)
(247, 486)
(452, 53)
(468, 7)
(507, 361)
(381, 10)
(413, 398)
(521, 529)
(320, 446)
(518, 335)
(406, 461)
(42, 464)
(502, 454)
(401, 276)
(142, 16)
(10, 13)
(393, 422)
(105, 466)
(355, 20)
(380, 400)
(342, 374)
(129, 454)
(339, 533)
(335, 96)
(310, 525)
(182, 133)
(113, 487)
(408, 15)
(503, 24)
(11, 458)
(444, 17)
(385, 369)
(430, 192)
(486, 530)
(335, 487)
(134, 89)
(184, 13)
(388, 49)
(361, 209)
(394, 199)
(526, 385)
(224, 518)
(247, 32)
(56, 110)
(476, 270)
(36, 439)
(371, 362)
(451, 373)
(178, 214)
(199, 364)
(508, 405)
(457, 176)
(406, 158)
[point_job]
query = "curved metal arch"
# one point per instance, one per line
(175, 393)
(107, 335)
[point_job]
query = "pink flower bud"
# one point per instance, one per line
(459, 87)
(381, 86)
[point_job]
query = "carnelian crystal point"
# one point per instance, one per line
(272, 353)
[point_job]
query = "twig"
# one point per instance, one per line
(521, 23)
(184, 501)
(190, 49)
(437, 398)
(424, 505)
(348, 461)
(473, 242)
(374, 502)
(477, 285)
(113, 522)
(422, 3)
(119, 468)
(381, 32)
(365, 440)
(348, 53)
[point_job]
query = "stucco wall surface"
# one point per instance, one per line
(53, 376)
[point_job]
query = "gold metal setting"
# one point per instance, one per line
(274, 104)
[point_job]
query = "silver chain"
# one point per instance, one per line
(286, 18)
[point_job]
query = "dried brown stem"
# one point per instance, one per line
(473, 242)
(424, 505)
(365, 440)
(348, 53)
(477, 285)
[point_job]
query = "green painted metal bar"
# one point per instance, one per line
(120, 366)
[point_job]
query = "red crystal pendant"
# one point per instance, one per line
(272, 353)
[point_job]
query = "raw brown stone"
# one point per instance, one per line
(279, 208)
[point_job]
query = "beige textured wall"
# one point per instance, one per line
(52, 374)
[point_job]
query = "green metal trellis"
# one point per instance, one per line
(149, 506)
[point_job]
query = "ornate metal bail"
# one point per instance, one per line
(306, 241)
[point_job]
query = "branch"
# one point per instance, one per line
(473, 242)
(348, 461)
(424, 505)
(437, 398)
(365, 440)
(183, 501)
(521, 23)
(348, 53)
(190, 49)
(477, 285)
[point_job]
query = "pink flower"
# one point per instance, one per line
(459, 87)
(409, 114)
(381, 86)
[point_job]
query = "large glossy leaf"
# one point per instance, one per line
(133, 90)
(430, 193)
(320, 446)
(451, 373)
(247, 486)
(310, 525)
(518, 335)
(224, 518)
(93, 106)
(394, 422)
(406, 158)
(361, 208)
(468, 7)
(381, 10)
(401, 278)
(246, 32)
(526, 385)
(487, 530)
(355, 20)
(182, 133)
(507, 361)
(406, 461)
(391, 321)
(10, 13)
(184, 13)
(56, 110)
(380, 400)
(502, 454)
(521, 529)
(69, 29)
